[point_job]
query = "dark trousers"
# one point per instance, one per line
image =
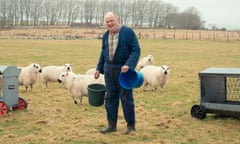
(116, 92)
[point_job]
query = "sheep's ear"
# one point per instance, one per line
(162, 67)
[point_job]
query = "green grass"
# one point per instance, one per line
(162, 116)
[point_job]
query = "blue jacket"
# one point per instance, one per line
(127, 51)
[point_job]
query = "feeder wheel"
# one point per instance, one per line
(22, 104)
(4, 109)
(198, 111)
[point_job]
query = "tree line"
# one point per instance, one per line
(136, 13)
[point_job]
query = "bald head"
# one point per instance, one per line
(111, 22)
(109, 15)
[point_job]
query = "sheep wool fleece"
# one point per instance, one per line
(127, 53)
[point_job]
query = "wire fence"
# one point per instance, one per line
(65, 33)
(233, 88)
(190, 35)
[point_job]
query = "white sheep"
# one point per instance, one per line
(155, 76)
(147, 60)
(90, 71)
(51, 73)
(29, 75)
(77, 84)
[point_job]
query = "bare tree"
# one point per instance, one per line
(97, 17)
(3, 13)
(154, 13)
(191, 17)
(169, 10)
(12, 13)
(47, 11)
(27, 9)
(75, 11)
(141, 12)
(89, 6)
(103, 8)
(151, 10)
(21, 11)
(172, 20)
(133, 16)
(124, 11)
(81, 11)
(60, 7)
(36, 11)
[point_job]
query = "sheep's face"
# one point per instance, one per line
(68, 67)
(37, 68)
(165, 69)
(150, 58)
(61, 77)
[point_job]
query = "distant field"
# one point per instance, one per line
(93, 33)
(162, 116)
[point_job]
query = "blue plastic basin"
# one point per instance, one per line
(131, 79)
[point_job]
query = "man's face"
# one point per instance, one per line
(112, 23)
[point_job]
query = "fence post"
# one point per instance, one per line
(154, 35)
(227, 37)
(174, 35)
(214, 36)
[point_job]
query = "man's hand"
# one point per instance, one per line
(96, 74)
(124, 68)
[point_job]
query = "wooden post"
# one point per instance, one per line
(165, 35)
(227, 37)
(214, 35)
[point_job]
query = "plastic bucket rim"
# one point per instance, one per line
(137, 79)
(90, 87)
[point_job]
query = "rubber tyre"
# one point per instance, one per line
(22, 104)
(4, 109)
(198, 111)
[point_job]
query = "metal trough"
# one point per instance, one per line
(9, 98)
(220, 92)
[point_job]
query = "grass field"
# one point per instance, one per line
(162, 117)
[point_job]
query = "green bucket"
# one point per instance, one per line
(96, 94)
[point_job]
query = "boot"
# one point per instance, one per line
(130, 129)
(111, 128)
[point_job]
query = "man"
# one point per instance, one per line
(120, 52)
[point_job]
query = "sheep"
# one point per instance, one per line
(51, 73)
(29, 75)
(147, 60)
(77, 84)
(155, 76)
(92, 72)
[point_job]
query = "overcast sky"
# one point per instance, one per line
(222, 13)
